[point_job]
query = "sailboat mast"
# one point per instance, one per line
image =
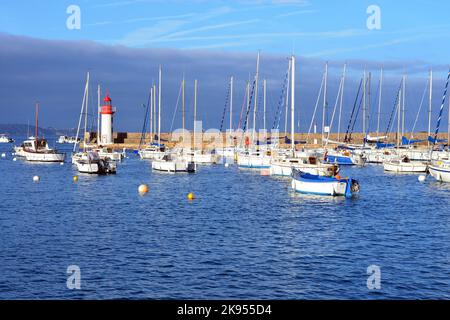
(231, 104)
(341, 102)
(98, 114)
(195, 113)
(364, 105)
(287, 97)
(85, 112)
(380, 89)
(399, 114)
(264, 104)
(37, 125)
(430, 104)
(255, 98)
(154, 111)
(159, 107)
(324, 103)
(292, 104)
(151, 114)
(403, 105)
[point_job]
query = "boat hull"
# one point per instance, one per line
(173, 166)
(253, 162)
(400, 167)
(285, 169)
(439, 173)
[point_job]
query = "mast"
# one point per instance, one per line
(182, 109)
(264, 104)
(81, 114)
(341, 102)
(195, 112)
(379, 101)
(151, 114)
(37, 126)
(399, 115)
(430, 104)
(293, 104)
(98, 114)
(85, 113)
(256, 98)
(324, 102)
(369, 104)
(403, 105)
(159, 107)
(364, 105)
(287, 97)
(231, 104)
(154, 111)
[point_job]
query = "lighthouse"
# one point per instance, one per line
(107, 112)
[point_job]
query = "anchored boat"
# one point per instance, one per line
(171, 163)
(328, 186)
(405, 165)
(5, 139)
(440, 170)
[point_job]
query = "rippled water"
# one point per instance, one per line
(244, 236)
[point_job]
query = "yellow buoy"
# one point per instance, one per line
(143, 189)
(75, 178)
(190, 196)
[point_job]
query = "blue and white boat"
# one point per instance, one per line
(327, 186)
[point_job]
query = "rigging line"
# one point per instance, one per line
(346, 138)
(334, 109)
(393, 113)
(176, 109)
(225, 107)
(356, 117)
(144, 126)
(248, 108)
(242, 110)
(441, 109)
(420, 108)
(319, 95)
(277, 118)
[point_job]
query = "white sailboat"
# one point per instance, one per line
(37, 149)
(283, 165)
(402, 163)
(155, 150)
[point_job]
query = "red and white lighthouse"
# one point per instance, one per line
(107, 113)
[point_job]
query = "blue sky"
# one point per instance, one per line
(329, 29)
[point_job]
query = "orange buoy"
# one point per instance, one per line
(143, 189)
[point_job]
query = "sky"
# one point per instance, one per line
(122, 42)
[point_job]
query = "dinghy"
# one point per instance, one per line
(171, 163)
(328, 186)
(5, 139)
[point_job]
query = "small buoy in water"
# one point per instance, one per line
(143, 189)
(36, 178)
(14, 159)
(3, 155)
(422, 178)
(190, 196)
(227, 164)
(75, 178)
(61, 164)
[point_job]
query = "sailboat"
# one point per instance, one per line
(155, 150)
(228, 150)
(402, 163)
(440, 169)
(37, 149)
(309, 163)
(173, 162)
(89, 161)
(198, 156)
(254, 157)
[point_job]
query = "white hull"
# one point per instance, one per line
(173, 166)
(150, 154)
(405, 167)
(440, 171)
(91, 168)
(38, 156)
(320, 188)
(200, 158)
(254, 162)
(285, 169)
